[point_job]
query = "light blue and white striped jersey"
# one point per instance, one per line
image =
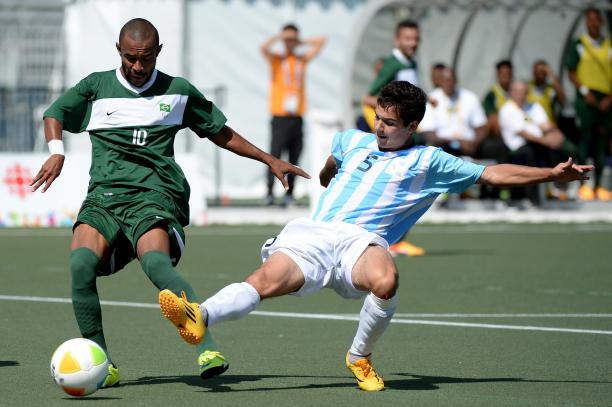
(386, 192)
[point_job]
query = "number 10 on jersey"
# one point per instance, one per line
(140, 137)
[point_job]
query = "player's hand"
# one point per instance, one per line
(568, 171)
(281, 168)
(49, 171)
(467, 147)
(590, 100)
(605, 103)
(549, 72)
(553, 140)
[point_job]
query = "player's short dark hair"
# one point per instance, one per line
(439, 65)
(503, 63)
(408, 100)
(406, 24)
(139, 28)
(291, 26)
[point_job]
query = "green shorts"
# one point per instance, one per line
(123, 218)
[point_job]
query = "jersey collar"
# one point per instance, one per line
(133, 88)
(399, 55)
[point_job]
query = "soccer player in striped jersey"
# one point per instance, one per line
(138, 197)
(378, 185)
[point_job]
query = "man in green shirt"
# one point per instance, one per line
(137, 200)
(498, 95)
(589, 65)
(399, 66)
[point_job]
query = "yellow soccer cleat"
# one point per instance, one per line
(404, 248)
(603, 194)
(186, 316)
(586, 193)
(367, 378)
(112, 378)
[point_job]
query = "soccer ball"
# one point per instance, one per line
(79, 366)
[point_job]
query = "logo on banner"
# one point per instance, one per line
(164, 107)
(18, 179)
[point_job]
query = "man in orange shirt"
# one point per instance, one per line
(287, 97)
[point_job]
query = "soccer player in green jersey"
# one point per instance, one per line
(137, 199)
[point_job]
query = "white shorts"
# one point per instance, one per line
(325, 252)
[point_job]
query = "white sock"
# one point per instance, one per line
(231, 302)
(374, 318)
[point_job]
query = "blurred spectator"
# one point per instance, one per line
(590, 70)
(530, 136)
(362, 124)
(546, 90)
(399, 66)
(454, 119)
(498, 95)
(287, 98)
(436, 74)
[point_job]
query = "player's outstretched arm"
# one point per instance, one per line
(510, 175)
(228, 139)
(52, 168)
(328, 171)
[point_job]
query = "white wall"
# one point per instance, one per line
(224, 50)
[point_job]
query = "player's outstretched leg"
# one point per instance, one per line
(184, 315)
(183, 311)
(374, 319)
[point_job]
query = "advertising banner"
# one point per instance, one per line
(59, 205)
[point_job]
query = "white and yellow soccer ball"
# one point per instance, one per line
(79, 366)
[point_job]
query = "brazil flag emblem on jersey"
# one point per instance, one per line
(164, 107)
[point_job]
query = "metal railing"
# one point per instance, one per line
(21, 111)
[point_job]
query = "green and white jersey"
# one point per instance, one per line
(397, 67)
(132, 131)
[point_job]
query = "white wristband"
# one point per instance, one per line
(583, 90)
(56, 147)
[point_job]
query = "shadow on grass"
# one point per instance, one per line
(420, 382)
(224, 383)
(8, 363)
(408, 381)
(91, 398)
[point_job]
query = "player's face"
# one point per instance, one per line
(138, 58)
(447, 82)
(290, 39)
(518, 92)
(504, 76)
(540, 72)
(593, 24)
(436, 74)
(391, 134)
(407, 40)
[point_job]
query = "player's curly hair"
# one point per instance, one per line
(408, 100)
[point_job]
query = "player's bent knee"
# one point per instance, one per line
(385, 283)
(83, 263)
(271, 281)
(260, 282)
